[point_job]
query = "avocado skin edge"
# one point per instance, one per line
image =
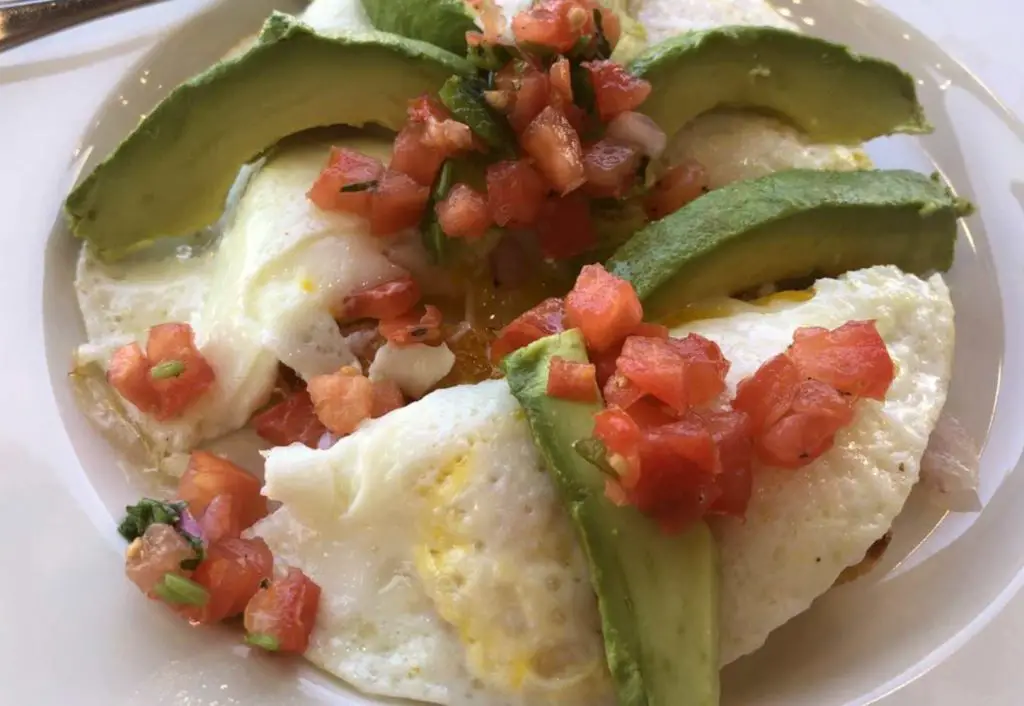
(443, 23)
(831, 93)
(657, 593)
(172, 174)
(790, 224)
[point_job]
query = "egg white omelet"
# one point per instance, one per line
(447, 560)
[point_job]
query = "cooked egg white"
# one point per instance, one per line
(447, 560)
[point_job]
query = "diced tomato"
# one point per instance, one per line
(604, 307)
(158, 552)
(231, 573)
(346, 167)
(622, 438)
(531, 96)
(222, 519)
(385, 301)
(449, 136)
(768, 394)
(284, 613)
(605, 360)
(208, 476)
(414, 157)
(732, 434)
(560, 77)
(342, 400)
(289, 421)
(649, 412)
(516, 193)
(615, 89)
(555, 148)
(610, 167)
(128, 373)
(679, 186)
(542, 320)
(566, 228)
(569, 380)
(387, 397)
(619, 391)
(808, 430)
(682, 374)
(398, 203)
(852, 358)
(427, 107)
(464, 213)
(414, 327)
(556, 24)
(175, 344)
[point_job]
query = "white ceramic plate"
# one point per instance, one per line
(76, 632)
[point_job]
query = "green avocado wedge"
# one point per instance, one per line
(787, 225)
(657, 593)
(824, 89)
(171, 176)
(443, 23)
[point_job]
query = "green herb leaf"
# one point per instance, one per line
(604, 47)
(266, 642)
(583, 88)
(149, 512)
(167, 369)
(464, 97)
(435, 240)
(593, 451)
(359, 186)
(178, 590)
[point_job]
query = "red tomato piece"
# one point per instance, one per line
(532, 95)
(387, 397)
(342, 400)
(427, 107)
(175, 344)
(619, 391)
(566, 228)
(682, 374)
(679, 186)
(622, 437)
(231, 573)
(706, 367)
(615, 89)
(569, 380)
(648, 412)
(158, 552)
(398, 203)
(385, 301)
(284, 614)
(560, 78)
(768, 394)
(818, 411)
(610, 167)
(414, 157)
(545, 319)
(604, 307)
(222, 519)
(345, 168)
(605, 360)
(555, 148)
(516, 193)
(464, 213)
(128, 373)
(852, 358)
(208, 476)
(414, 327)
(556, 24)
(732, 435)
(290, 421)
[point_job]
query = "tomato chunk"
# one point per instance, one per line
(531, 97)
(619, 391)
(679, 186)
(732, 434)
(768, 394)
(128, 373)
(852, 358)
(560, 76)
(556, 24)
(569, 380)
(346, 168)
(231, 573)
(208, 476)
(385, 301)
(222, 519)
(555, 147)
(283, 616)
(681, 373)
(542, 320)
(566, 228)
(398, 203)
(158, 552)
(808, 430)
(615, 89)
(604, 307)
(516, 193)
(610, 167)
(289, 421)
(622, 437)
(427, 107)
(414, 327)
(342, 400)
(415, 158)
(464, 213)
(387, 397)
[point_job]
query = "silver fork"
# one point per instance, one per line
(24, 20)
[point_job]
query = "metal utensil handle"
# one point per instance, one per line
(24, 21)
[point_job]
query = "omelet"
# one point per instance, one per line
(451, 573)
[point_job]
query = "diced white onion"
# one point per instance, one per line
(639, 130)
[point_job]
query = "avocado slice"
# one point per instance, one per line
(787, 225)
(826, 90)
(657, 593)
(172, 174)
(443, 23)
